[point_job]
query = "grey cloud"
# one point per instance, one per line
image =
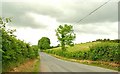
(64, 13)
(18, 12)
(96, 29)
(107, 13)
(90, 31)
(27, 21)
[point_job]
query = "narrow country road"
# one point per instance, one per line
(52, 64)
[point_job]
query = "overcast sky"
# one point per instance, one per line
(34, 19)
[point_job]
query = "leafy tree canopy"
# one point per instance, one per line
(65, 35)
(44, 43)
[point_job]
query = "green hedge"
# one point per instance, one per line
(105, 51)
(15, 51)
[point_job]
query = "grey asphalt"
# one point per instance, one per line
(52, 64)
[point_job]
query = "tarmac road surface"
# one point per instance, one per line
(52, 64)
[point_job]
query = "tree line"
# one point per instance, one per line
(108, 40)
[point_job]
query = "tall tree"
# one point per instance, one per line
(65, 35)
(44, 43)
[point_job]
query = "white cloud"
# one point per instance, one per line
(43, 19)
(98, 28)
(91, 37)
(38, 18)
(90, 32)
(33, 35)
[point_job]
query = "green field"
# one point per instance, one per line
(105, 51)
(78, 47)
(97, 52)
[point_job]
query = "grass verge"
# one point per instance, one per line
(107, 65)
(32, 65)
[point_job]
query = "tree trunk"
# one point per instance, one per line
(63, 46)
(63, 43)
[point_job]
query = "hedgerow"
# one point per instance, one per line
(14, 51)
(104, 51)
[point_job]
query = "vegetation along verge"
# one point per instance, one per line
(103, 54)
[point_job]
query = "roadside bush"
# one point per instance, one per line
(105, 51)
(14, 51)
